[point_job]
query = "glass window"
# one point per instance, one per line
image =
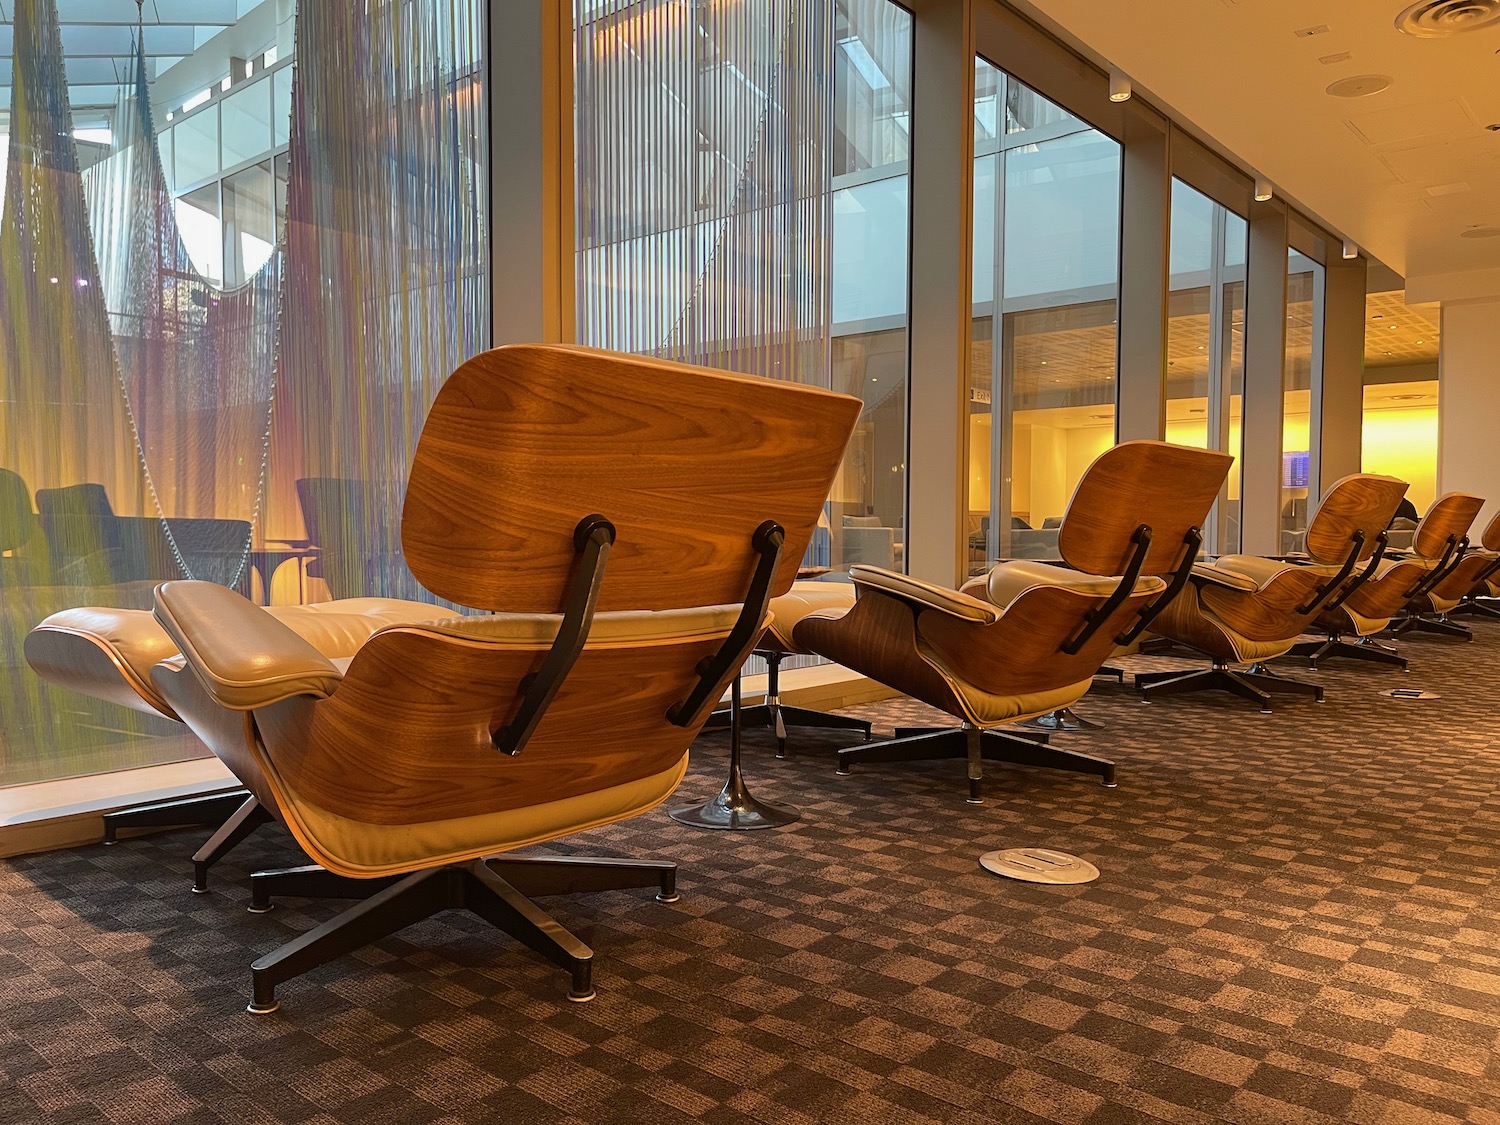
(1400, 433)
(1206, 343)
(1042, 371)
(245, 121)
(200, 225)
(1302, 378)
(249, 222)
(196, 147)
(281, 106)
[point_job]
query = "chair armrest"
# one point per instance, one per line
(923, 594)
(1210, 574)
(244, 657)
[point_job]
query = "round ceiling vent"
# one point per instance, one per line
(1481, 232)
(1434, 19)
(1360, 86)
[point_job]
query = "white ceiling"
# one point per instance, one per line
(1403, 172)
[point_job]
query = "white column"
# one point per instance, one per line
(1469, 402)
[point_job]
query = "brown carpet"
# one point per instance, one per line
(1298, 921)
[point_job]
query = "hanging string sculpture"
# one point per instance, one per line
(65, 442)
(195, 363)
(705, 182)
(387, 288)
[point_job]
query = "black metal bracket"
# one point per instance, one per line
(1320, 594)
(1453, 554)
(592, 540)
(1382, 541)
(767, 542)
(1180, 574)
(1095, 618)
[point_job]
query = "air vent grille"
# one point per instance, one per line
(1434, 19)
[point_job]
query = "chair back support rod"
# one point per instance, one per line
(767, 542)
(1382, 541)
(592, 540)
(1180, 574)
(1097, 617)
(1320, 593)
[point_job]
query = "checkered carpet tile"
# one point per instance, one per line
(1297, 922)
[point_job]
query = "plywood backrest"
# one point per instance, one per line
(1168, 487)
(1364, 502)
(1448, 519)
(524, 441)
(1490, 541)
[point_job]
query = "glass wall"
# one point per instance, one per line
(730, 215)
(199, 325)
(1302, 376)
(1206, 343)
(1045, 339)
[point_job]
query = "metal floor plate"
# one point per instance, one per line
(1039, 865)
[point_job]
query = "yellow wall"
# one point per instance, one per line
(1403, 443)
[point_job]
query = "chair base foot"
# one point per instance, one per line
(245, 819)
(1365, 648)
(1255, 684)
(976, 746)
(183, 812)
(1475, 607)
(498, 889)
(1064, 720)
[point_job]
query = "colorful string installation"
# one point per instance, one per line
(387, 275)
(174, 423)
(705, 181)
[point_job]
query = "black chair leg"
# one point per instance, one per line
(1443, 627)
(182, 812)
(1475, 607)
(1217, 678)
(977, 746)
(1362, 648)
(498, 889)
(245, 820)
(778, 716)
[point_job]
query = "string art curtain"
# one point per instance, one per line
(196, 363)
(65, 443)
(704, 181)
(63, 421)
(387, 288)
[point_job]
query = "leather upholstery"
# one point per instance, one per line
(803, 598)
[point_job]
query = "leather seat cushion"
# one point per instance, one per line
(803, 598)
(1007, 581)
(362, 852)
(109, 653)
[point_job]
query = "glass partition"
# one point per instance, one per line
(1206, 343)
(1302, 377)
(1042, 368)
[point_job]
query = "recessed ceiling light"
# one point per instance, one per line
(1309, 32)
(1481, 232)
(1360, 86)
(1329, 60)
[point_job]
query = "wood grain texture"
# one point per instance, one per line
(1360, 502)
(1169, 487)
(406, 738)
(1449, 517)
(1490, 540)
(522, 442)
(1384, 597)
(1270, 613)
(904, 647)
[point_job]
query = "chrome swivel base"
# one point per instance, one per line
(498, 889)
(977, 746)
(1064, 720)
(1255, 683)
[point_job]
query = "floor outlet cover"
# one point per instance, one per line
(1039, 865)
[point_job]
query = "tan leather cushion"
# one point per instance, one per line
(104, 653)
(803, 598)
(109, 653)
(923, 593)
(363, 850)
(1262, 570)
(1007, 581)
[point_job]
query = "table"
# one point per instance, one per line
(267, 559)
